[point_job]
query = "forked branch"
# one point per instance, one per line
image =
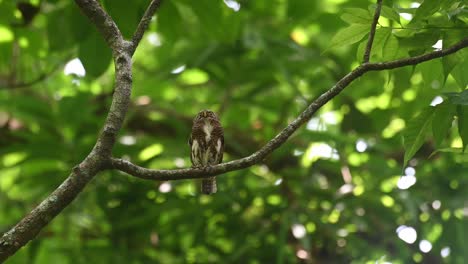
(99, 158)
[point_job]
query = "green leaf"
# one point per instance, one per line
(349, 35)
(58, 32)
(462, 112)
(427, 8)
(360, 50)
(125, 15)
(458, 98)
(298, 10)
(417, 41)
(432, 73)
(391, 48)
(381, 36)
(166, 26)
(80, 26)
(95, 55)
(459, 74)
(210, 17)
(7, 11)
(442, 121)
(446, 150)
(390, 13)
(357, 16)
(449, 62)
(416, 131)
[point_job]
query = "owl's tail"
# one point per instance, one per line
(208, 185)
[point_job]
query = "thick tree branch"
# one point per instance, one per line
(282, 137)
(99, 158)
(370, 41)
(103, 22)
(39, 217)
(144, 23)
(123, 76)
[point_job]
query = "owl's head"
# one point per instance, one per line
(205, 114)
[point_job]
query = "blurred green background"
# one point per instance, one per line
(336, 192)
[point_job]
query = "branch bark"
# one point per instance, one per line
(144, 23)
(23, 84)
(282, 137)
(99, 157)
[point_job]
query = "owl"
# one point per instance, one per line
(206, 145)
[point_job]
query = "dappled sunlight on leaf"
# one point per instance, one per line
(193, 77)
(387, 201)
(316, 151)
(150, 152)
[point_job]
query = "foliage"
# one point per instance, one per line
(333, 194)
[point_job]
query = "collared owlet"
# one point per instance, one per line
(206, 145)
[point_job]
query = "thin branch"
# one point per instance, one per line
(282, 137)
(367, 52)
(39, 217)
(418, 59)
(123, 76)
(144, 23)
(43, 76)
(423, 28)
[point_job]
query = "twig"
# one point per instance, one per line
(144, 23)
(429, 27)
(282, 137)
(367, 52)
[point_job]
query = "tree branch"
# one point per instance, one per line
(103, 22)
(370, 41)
(144, 23)
(99, 157)
(426, 27)
(418, 59)
(282, 137)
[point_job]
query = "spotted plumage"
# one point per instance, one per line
(206, 145)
